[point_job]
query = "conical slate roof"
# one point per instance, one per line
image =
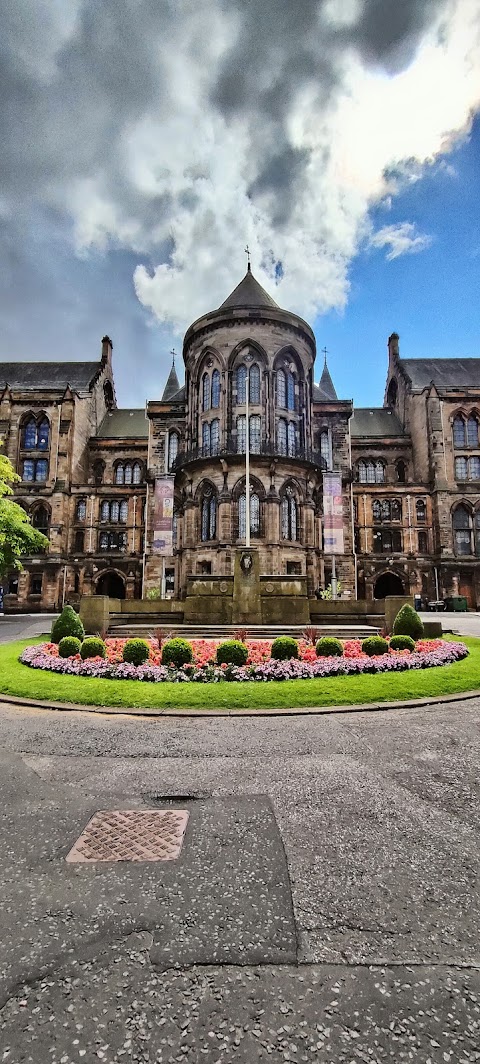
(326, 384)
(249, 293)
(172, 385)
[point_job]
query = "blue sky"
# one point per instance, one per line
(143, 146)
(431, 298)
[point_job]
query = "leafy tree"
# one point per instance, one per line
(17, 536)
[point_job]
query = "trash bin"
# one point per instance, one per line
(417, 602)
(457, 603)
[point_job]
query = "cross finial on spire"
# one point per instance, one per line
(172, 352)
(324, 353)
(247, 252)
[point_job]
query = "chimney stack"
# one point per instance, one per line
(393, 351)
(107, 348)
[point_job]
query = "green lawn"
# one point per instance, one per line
(17, 679)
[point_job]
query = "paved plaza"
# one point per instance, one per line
(324, 906)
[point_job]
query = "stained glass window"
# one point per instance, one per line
(105, 511)
(41, 469)
(288, 513)
(282, 436)
(254, 515)
(81, 511)
(462, 530)
(255, 433)
(215, 436)
(474, 468)
(43, 435)
(254, 377)
(29, 442)
(205, 438)
(281, 389)
(209, 518)
(241, 384)
(137, 473)
(458, 432)
(241, 434)
(461, 468)
(291, 391)
(120, 474)
(215, 388)
(205, 392)
(325, 447)
(172, 448)
(28, 470)
(472, 432)
(291, 439)
(421, 509)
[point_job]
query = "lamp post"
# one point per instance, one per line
(247, 454)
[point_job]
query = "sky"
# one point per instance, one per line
(145, 143)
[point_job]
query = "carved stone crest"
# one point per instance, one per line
(246, 562)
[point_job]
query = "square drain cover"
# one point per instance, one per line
(131, 835)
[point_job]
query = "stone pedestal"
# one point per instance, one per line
(247, 608)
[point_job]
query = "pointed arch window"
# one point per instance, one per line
(41, 519)
(421, 508)
(173, 442)
(215, 388)
(254, 379)
(325, 448)
(43, 434)
(205, 439)
(205, 392)
(29, 441)
(458, 432)
(209, 516)
(281, 389)
(128, 473)
(290, 391)
(289, 516)
(462, 530)
(254, 515)
(81, 510)
(472, 432)
(282, 436)
(371, 472)
(36, 435)
(241, 381)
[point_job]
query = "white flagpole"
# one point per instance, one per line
(247, 462)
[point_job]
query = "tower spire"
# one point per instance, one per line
(173, 383)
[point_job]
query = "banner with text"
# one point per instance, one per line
(163, 516)
(332, 514)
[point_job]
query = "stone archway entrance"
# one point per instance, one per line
(388, 584)
(111, 584)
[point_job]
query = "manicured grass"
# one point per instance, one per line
(17, 679)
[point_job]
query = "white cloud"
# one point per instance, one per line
(401, 239)
(182, 132)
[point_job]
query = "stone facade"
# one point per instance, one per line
(410, 479)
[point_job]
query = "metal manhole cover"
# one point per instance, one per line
(131, 835)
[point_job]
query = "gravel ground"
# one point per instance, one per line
(325, 905)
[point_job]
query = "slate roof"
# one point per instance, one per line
(444, 372)
(249, 293)
(120, 423)
(375, 421)
(48, 376)
(172, 386)
(326, 384)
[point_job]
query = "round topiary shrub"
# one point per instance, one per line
(68, 623)
(177, 652)
(374, 645)
(329, 647)
(407, 622)
(283, 648)
(402, 642)
(136, 651)
(69, 646)
(93, 647)
(232, 652)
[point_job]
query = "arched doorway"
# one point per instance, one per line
(111, 584)
(388, 584)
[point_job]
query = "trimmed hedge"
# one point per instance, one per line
(177, 652)
(402, 642)
(374, 645)
(68, 623)
(93, 647)
(69, 646)
(284, 648)
(407, 622)
(329, 647)
(136, 651)
(232, 652)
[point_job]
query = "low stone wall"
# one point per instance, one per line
(347, 611)
(284, 600)
(209, 600)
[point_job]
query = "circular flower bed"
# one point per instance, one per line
(259, 666)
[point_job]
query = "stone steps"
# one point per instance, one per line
(186, 631)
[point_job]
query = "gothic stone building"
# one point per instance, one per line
(410, 470)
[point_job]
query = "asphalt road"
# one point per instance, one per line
(325, 906)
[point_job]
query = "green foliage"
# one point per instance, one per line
(375, 645)
(329, 647)
(68, 623)
(407, 622)
(326, 594)
(136, 651)
(153, 594)
(69, 646)
(177, 652)
(402, 642)
(232, 652)
(93, 647)
(284, 648)
(17, 537)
